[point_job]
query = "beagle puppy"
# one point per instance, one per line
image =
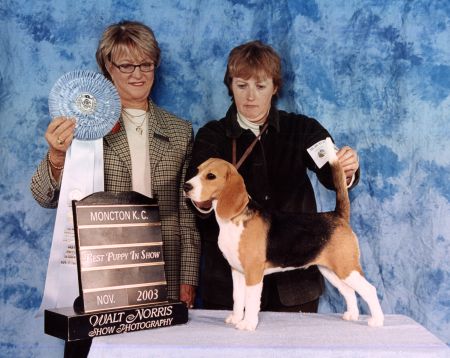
(257, 243)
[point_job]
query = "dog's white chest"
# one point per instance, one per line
(229, 238)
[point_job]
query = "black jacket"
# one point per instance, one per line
(275, 175)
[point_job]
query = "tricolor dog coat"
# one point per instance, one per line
(256, 243)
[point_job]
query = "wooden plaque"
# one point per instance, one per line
(119, 251)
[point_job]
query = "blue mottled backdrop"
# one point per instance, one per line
(375, 73)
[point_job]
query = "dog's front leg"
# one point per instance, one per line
(252, 307)
(238, 297)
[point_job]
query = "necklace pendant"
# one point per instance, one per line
(139, 130)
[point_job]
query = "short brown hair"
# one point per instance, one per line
(256, 59)
(131, 35)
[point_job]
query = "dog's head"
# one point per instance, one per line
(218, 181)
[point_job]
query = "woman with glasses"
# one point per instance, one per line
(147, 151)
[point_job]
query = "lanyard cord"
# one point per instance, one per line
(249, 148)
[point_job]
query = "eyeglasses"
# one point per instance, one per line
(129, 68)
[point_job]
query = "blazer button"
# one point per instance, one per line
(267, 197)
(49, 193)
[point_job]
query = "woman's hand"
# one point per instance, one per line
(187, 294)
(60, 133)
(59, 136)
(349, 162)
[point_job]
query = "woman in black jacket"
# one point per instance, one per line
(275, 173)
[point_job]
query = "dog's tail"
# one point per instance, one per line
(340, 183)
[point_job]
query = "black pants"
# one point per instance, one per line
(77, 349)
(270, 301)
(310, 307)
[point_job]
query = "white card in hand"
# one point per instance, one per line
(318, 153)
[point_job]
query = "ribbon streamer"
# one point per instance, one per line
(83, 175)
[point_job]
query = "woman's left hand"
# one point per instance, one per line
(187, 294)
(349, 161)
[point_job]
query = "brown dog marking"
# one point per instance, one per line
(252, 252)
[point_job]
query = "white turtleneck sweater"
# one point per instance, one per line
(246, 124)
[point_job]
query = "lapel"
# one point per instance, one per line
(158, 140)
(118, 143)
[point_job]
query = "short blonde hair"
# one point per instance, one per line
(130, 36)
(253, 59)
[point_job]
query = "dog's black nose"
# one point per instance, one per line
(187, 187)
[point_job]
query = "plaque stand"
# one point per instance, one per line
(120, 266)
(66, 324)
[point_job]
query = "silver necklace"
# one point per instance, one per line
(130, 117)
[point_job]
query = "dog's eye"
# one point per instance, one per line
(210, 176)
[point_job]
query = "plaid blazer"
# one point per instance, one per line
(170, 144)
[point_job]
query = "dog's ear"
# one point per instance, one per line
(233, 198)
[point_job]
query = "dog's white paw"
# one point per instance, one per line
(376, 321)
(234, 319)
(350, 316)
(247, 325)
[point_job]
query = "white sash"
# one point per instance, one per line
(83, 175)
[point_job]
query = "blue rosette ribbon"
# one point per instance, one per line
(90, 98)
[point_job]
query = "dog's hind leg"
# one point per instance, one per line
(352, 312)
(238, 297)
(369, 294)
